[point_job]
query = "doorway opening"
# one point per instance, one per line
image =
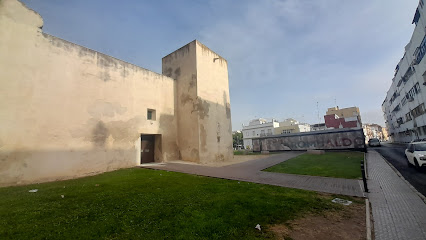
(147, 148)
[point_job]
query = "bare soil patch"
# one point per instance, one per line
(346, 224)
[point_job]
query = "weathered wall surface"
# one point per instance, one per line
(214, 109)
(181, 66)
(334, 139)
(202, 90)
(68, 111)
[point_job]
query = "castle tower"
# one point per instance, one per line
(202, 103)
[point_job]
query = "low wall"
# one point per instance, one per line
(330, 139)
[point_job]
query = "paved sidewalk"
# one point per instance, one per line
(398, 212)
(250, 171)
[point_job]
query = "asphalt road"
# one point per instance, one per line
(395, 154)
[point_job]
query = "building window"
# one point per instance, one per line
(253, 134)
(262, 133)
(408, 117)
(150, 114)
(417, 111)
(269, 132)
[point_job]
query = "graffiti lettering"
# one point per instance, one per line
(332, 140)
(346, 142)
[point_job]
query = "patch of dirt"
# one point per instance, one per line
(346, 224)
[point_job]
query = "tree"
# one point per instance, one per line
(237, 138)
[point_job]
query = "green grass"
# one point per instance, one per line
(149, 204)
(330, 164)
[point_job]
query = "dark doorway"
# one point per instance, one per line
(147, 148)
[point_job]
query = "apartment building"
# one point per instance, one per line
(291, 125)
(257, 128)
(403, 106)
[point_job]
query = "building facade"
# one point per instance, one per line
(404, 105)
(343, 118)
(257, 128)
(67, 111)
(374, 131)
(291, 126)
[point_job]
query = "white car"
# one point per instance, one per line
(416, 154)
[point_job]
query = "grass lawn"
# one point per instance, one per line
(149, 204)
(330, 164)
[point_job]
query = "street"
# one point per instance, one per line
(395, 154)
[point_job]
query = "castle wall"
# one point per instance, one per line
(68, 111)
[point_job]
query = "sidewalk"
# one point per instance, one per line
(250, 171)
(398, 212)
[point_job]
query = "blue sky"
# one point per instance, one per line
(283, 56)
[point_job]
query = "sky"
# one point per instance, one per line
(286, 58)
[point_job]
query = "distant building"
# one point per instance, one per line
(258, 128)
(344, 112)
(333, 121)
(343, 118)
(374, 131)
(318, 127)
(291, 126)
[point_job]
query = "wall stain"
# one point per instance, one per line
(193, 82)
(220, 158)
(105, 109)
(195, 154)
(203, 107)
(84, 52)
(105, 76)
(124, 73)
(203, 136)
(177, 73)
(227, 105)
(168, 72)
(185, 98)
(105, 61)
(119, 131)
(99, 134)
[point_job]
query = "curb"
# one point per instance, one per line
(367, 218)
(402, 177)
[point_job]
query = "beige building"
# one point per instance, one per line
(291, 126)
(349, 112)
(68, 111)
(375, 131)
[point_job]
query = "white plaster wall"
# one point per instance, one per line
(67, 111)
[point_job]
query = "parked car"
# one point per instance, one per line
(416, 154)
(374, 142)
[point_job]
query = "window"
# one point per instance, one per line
(417, 111)
(253, 134)
(269, 132)
(262, 132)
(408, 117)
(150, 114)
(399, 121)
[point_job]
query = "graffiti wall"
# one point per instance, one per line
(330, 139)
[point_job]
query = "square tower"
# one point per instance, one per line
(202, 103)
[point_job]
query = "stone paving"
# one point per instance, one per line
(250, 171)
(398, 212)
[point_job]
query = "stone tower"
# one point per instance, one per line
(202, 103)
